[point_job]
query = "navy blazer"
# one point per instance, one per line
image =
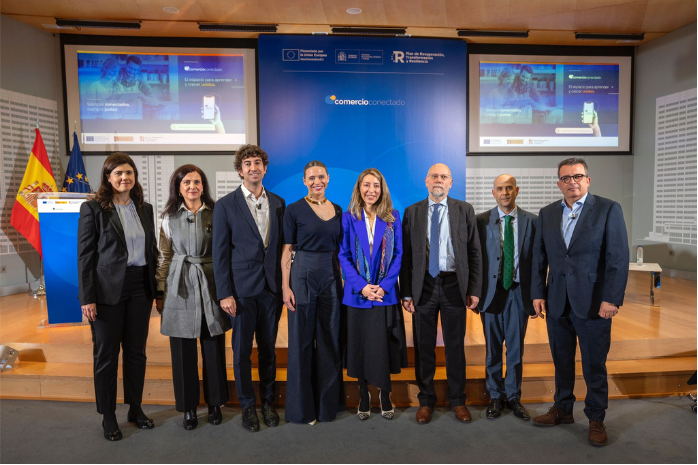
(490, 243)
(353, 283)
(592, 270)
(241, 266)
(102, 253)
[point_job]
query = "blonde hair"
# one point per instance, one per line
(384, 205)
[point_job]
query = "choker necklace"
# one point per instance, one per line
(315, 202)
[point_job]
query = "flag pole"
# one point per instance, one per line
(41, 290)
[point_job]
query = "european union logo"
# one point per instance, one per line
(75, 176)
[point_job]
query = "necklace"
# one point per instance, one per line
(315, 202)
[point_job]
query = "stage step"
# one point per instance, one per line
(627, 378)
(159, 354)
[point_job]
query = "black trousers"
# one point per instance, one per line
(185, 370)
(258, 317)
(122, 326)
(314, 387)
(594, 336)
(440, 295)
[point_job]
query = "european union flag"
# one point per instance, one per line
(75, 176)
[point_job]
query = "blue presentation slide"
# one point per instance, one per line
(161, 99)
(546, 104)
(395, 104)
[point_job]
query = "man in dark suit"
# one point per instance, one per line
(506, 238)
(441, 272)
(584, 242)
(247, 239)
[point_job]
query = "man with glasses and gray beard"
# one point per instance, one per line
(584, 242)
(441, 272)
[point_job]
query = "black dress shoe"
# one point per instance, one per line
(145, 423)
(215, 417)
(190, 421)
(114, 435)
(250, 421)
(136, 415)
(271, 418)
(519, 410)
(494, 410)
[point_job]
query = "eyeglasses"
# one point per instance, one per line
(576, 177)
(443, 177)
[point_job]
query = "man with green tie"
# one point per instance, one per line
(506, 238)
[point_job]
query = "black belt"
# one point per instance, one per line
(446, 274)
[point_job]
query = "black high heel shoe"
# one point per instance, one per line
(215, 417)
(112, 435)
(139, 418)
(190, 421)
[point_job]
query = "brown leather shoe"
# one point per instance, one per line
(424, 415)
(462, 413)
(554, 417)
(597, 433)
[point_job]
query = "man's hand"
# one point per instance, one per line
(608, 310)
(289, 299)
(540, 306)
(408, 305)
(229, 306)
(90, 311)
(158, 304)
(471, 302)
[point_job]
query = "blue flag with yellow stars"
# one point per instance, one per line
(75, 176)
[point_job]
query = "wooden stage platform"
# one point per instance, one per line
(653, 352)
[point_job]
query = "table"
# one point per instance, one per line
(655, 272)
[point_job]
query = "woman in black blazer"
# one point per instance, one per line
(117, 259)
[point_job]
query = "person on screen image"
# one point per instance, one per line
(131, 81)
(525, 95)
(106, 88)
(503, 92)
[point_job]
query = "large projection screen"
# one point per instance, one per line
(160, 99)
(540, 103)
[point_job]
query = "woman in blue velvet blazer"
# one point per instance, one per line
(370, 254)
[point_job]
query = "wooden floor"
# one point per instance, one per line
(652, 352)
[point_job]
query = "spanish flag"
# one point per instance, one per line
(38, 178)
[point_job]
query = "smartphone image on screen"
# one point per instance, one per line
(210, 106)
(588, 113)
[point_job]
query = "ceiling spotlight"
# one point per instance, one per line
(354, 11)
(170, 9)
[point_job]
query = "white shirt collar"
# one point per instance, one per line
(513, 213)
(203, 206)
(246, 192)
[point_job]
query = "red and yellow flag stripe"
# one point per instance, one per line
(38, 178)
